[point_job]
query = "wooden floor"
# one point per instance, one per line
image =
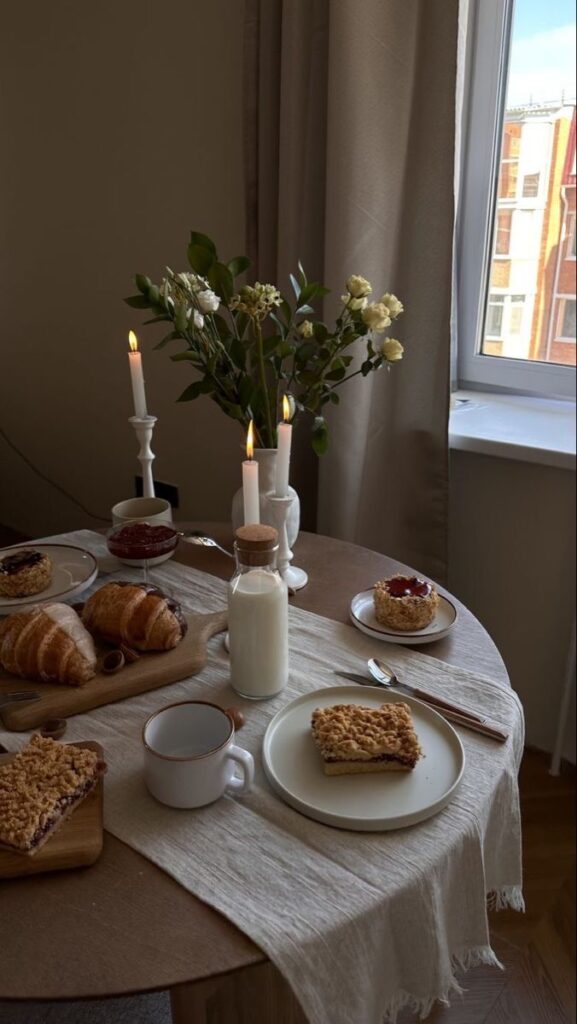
(537, 948)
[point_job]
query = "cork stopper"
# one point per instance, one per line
(256, 543)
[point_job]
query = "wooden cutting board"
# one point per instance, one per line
(77, 843)
(149, 672)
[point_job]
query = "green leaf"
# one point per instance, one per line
(197, 238)
(180, 320)
(221, 325)
(181, 357)
(336, 374)
(286, 310)
(200, 258)
(245, 392)
(173, 336)
(282, 327)
(308, 292)
(305, 309)
(285, 350)
(138, 302)
(143, 283)
(221, 281)
(320, 438)
(238, 354)
(366, 367)
(334, 398)
(238, 265)
(200, 387)
(305, 352)
(321, 331)
(302, 274)
(296, 286)
(270, 345)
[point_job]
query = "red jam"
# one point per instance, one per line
(405, 586)
(142, 540)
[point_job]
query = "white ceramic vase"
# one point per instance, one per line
(266, 458)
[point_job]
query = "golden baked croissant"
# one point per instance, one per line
(49, 643)
(135, 614)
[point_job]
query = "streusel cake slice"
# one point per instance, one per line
(40, 787)
(354, 739)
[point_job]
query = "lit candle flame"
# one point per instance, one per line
(286, 409)
(132, 341)
(250, 442)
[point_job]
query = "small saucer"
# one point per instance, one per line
(363, 616)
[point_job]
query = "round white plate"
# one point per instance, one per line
(364, 618)
(73, 570)
(364, 803)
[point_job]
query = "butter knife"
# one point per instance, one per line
(468, 722)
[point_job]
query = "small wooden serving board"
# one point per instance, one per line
(77, 843)
(149, 672)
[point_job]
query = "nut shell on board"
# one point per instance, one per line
(237, 717)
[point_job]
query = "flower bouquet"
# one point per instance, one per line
(250, 345)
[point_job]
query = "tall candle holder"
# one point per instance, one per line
(294, 577)
(143, 429)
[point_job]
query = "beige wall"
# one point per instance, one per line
(121, 130)
(512, 562)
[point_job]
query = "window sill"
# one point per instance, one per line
(537, 430)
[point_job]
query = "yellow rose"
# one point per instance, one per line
(306, 329)
(393, 304)
(376, 316)
(358, 286)
(354, 304)
(392, 350)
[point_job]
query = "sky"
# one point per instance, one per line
(543, 54)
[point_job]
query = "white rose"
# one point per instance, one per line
(358, 286)
(306, 329)
(393, 304)
(376, 316)
(208, 301)
(198, 320)
(392, 350)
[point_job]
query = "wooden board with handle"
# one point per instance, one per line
(76, 843)
(150, 671)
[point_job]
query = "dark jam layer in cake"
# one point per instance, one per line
(408, 586)
(410, 762)
(61, 807)
(142, 540)
(21, 560)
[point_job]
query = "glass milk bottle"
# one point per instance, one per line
(257, 615)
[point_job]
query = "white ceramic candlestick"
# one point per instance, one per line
(143, 429)
(294, 578)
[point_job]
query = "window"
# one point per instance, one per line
(566, 321)
(516, 215)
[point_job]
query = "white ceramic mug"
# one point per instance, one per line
(151, 510)
(190, 755)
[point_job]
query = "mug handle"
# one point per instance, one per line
(246, 763)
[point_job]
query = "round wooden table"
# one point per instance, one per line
(123, 926)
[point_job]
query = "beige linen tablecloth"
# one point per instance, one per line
(360, 924)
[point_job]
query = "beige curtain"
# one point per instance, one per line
(349, 160)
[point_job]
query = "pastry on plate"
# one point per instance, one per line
(135, 614)
(40, 787)
(405, 602)
(353, 739)
(47, 643)
(24, 573)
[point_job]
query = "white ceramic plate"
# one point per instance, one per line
(363, 617)
(73, 570)
(364, 803)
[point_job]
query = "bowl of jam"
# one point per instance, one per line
(142, 543)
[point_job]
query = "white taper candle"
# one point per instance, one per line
(137, 378)
(250, 493)
(284, 439)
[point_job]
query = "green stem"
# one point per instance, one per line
(263, 382)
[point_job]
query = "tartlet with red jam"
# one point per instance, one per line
(405, 603)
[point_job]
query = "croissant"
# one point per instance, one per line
(135, 614)
(49, 643)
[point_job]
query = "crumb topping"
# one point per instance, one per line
(350, 732)
(39, 784)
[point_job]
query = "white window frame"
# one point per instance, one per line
(489, 25)
(561, 300)
(570, 228)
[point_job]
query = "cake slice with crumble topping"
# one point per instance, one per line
(40, 787)
(353, 739)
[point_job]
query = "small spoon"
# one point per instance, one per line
(198, 537)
